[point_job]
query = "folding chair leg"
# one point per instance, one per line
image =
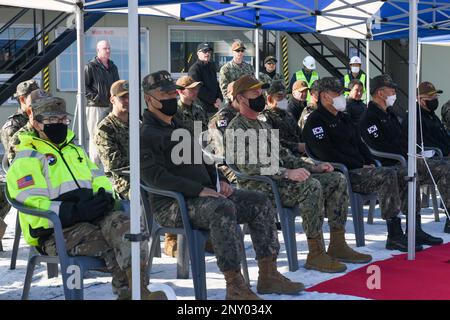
(1, 246)
(358, 222)
(52, 270)
(435, 204)
(425, 200)
(29, 277)
(183, 258)
(371, 211)
(198, 267)
(287, 220)
(154, 242)
(16, 243)
(244, 265)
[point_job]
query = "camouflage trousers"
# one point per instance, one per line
(321, 195)
(383, 181)
(220, 216)
(440, 169)
(4, 205)
(104, 239)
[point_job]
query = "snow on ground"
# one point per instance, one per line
(98, 285)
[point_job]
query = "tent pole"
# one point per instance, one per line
(412, 115)
(257, 53)
(419, 62)
(367, 70)
(133, 67)
(81, 105)
(278, 50)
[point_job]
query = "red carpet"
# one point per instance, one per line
(426, 278)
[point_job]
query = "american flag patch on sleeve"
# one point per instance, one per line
(25, 182)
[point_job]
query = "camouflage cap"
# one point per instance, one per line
(49, 106)
(237, 45)
(300, 85)
(428, 89)
(159, 80)
(381, 81)
(276, 87)
(188, 82)
(36, 95)
(119, 88)
(331, 84)
(270, 58)
(247, 82)
(25, 88)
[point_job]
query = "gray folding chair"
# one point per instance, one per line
(191, 242)
(357, 200)
(69, 265)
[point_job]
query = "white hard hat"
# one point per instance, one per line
(309, 62)
(355, 59)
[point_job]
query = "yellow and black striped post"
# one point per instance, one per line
(285, 59)
(46, 70)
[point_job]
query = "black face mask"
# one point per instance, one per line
(56, 132)
(169, 106)
(257, 104)
(432, 104)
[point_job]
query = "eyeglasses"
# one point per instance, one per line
(240, 50)
(270, 63)
(54, 120)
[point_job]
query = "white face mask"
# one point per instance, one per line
(339, 103)
(282, 104)
(355, 69)
(391, 100)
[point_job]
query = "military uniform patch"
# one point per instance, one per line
(222, 123)
(318, 132)
(51, 158)
(373, 131)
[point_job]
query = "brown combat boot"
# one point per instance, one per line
(339, 250)
(271, 281)
(237, 289)
(145, 293)
(170, 245)
(319, 260)
(3, 226)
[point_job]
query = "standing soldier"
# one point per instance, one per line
(236, 68)
(189, 110)
(204, 70)
(269, 73)
(356, 74)
(322, 193)
(100, 74)
(112, 140)
(308, 73)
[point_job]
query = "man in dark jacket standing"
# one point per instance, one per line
(204, 70)
(100, 73)
(211, 202)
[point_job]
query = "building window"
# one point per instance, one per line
(66, 63)
(184, 41)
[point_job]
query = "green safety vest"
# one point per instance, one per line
(299, 75)
(40, 173)
(362, 78)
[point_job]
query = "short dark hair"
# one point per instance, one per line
(355, 82)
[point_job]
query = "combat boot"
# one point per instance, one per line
(271, 281)
(237, 289)
(447, 226)
(3, 226)
(145, 293)
(319, 260)
(339, 250)
(170, 245)
(423, 238)
(396, 239)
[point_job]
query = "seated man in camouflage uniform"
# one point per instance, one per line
(445, 113)
(189, 110)
(332, 136)
(209, 208)
(278, 118)
(324, 190)
(297, 102)
(112, 140)
(11, 126)
(311, 106)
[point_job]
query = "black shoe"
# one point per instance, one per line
(423, 238)
(400, 242)
(447, 226)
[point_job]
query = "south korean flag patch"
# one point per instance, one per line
(222, 123)
(373, 130)
(318, 133)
